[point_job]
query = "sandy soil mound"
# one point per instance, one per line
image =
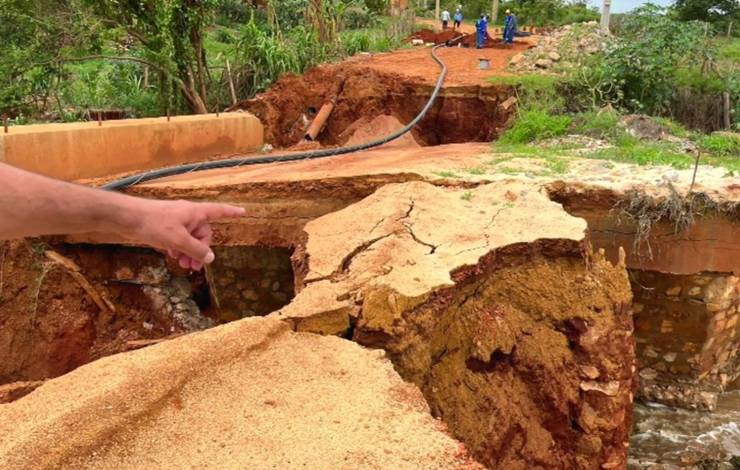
(484, 299)
(251, 394)
(364, 130)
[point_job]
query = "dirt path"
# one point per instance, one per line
(468, 25)
(462, 63)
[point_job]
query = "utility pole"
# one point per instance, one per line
(494, 12)
(605, 15)
(436, 12)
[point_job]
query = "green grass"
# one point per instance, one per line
(446, 174)
(599, 125)
(534, 91)
(724, 145)
(534, 125)
(466, 196)
(476, 170)
(728, 49)
(659, 153)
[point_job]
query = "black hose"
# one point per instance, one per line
(235, 162)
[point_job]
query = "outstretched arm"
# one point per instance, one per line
(33, 205)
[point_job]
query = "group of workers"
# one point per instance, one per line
(481, 26)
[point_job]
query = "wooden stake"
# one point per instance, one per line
(231, 83)
(726, 108)
(5, 122)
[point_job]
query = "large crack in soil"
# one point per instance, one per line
(527, 356)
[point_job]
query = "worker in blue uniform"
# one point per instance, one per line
(481, 29)
(509, 27)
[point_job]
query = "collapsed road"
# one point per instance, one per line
(375, 310)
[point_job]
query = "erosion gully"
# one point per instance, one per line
(64, 303)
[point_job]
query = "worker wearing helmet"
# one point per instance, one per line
(481, 29)
(509, 27)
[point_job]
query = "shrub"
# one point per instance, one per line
(535, 125)
(638, 70)
(600, 125)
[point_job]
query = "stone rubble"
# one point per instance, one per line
(561, 48)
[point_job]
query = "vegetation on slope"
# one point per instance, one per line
(60, 59)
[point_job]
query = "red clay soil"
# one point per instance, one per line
(429, 36)
(469, 113)
(49, 324)
(455, 38)
(364, 130)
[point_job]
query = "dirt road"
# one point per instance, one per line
(462, 63)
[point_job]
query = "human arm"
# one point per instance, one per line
(34, 205)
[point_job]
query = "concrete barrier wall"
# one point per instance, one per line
(86, 150)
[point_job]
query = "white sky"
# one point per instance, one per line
(622, 6)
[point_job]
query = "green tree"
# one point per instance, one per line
(638, 70)
(171, 35)
(716, 12)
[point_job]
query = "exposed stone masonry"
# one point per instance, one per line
(247, 281)
(686, 329)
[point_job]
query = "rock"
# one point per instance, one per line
(695, 292)
(648, 373)
(670, 357)
(517, 59)
(590, 372)
(607, 388)
(554, 56)
(650, 352)
(673, 291)
(671, 176)
(543, 63)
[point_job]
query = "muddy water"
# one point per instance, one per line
(674, 436)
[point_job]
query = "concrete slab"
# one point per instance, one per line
(80, 150)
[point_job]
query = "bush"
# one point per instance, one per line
(599, 125)
(534, 125)
(638, 70)
(721, 144)
(357, 16)
(365, 41)
(232, 11)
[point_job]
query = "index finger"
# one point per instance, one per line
(214, 210)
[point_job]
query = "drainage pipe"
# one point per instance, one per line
(319, 121)
(242, 161)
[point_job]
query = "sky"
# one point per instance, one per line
(622, 6)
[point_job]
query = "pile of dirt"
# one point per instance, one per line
(469, 40)
(364, 130)
(563, 47)
(250, 394)
(433, 37)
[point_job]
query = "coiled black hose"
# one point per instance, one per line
(236, 162)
